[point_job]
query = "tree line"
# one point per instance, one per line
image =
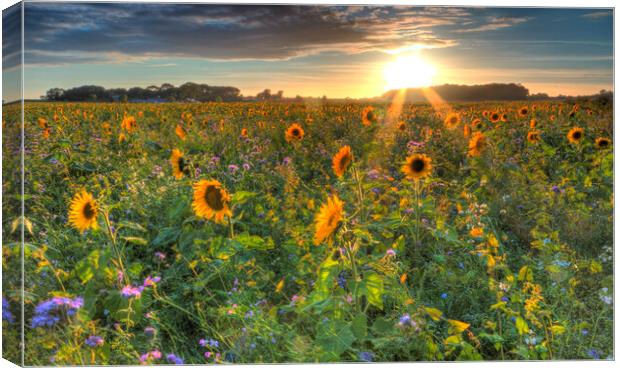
(166, 92)
(464, 93)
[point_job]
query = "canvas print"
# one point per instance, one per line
(227, 184)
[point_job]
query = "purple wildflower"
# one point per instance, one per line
(151, 281)
(233, 168)
(94, 341)
(48, 312)
(405, 319)
(6, 312)
(373, 174)
(366, 356)
(130, 290)
(174, 359)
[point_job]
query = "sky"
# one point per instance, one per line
(338, 51)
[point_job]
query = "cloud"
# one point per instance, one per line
(495, 23)
(598, 14)
(62, 33)
(11, 37)
(69, 33)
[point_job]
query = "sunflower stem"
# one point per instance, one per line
(232, 230)
(360, 193)
(417, 212)
(112, 236)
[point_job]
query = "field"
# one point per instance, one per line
(282, 232)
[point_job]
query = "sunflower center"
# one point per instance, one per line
(295, 132)
(331, 220)
(417, 165)
(181, 164)
(577, 135)
(370, 116)
(344, 161)
(214, 199)
(603, 143)
(88, 211)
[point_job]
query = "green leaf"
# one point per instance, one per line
(522, 327)
(373, 287)
(526, 274)
(131, 225)
(334, 338)
(382, 326)
(360, 326)
(85, 269)
(434, 313)
(325, 279)
(242, 196)
(166, 236)
(135, 240)
(254, 242)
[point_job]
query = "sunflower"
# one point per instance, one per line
(179, 166)
(46, 133)
(107, 129)
(83, 212)
(476, 144)
(494, 117)
(327, 220)
(122, 138)
(417, 166)
(244, 132)
(294, 133)
(211, 200)
(402, 126)
(533, 136)
(476, 123)
(129, 124)
(523, 111)
(42, 123)
(602, 142)
(466, 130)
(504, 117)
(575, 135)
(180, 132)
(368, 116)
(342, 160)
(533, 123)
(452, 120)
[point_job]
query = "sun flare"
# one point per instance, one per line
(408, 72)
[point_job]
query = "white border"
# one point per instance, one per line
(468, 3)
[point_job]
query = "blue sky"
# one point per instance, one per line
(310, 50)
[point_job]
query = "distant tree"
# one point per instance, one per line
(452, 92)
(55, 94)
(187, 92)
(265, 95)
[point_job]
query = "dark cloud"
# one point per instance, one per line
(11, 37)
(598, 14)
(109, 32)
(67, 33)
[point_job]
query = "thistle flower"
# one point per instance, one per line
(94, 341)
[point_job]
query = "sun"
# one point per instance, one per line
(408, 72)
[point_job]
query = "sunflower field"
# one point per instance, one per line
(201, 233)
